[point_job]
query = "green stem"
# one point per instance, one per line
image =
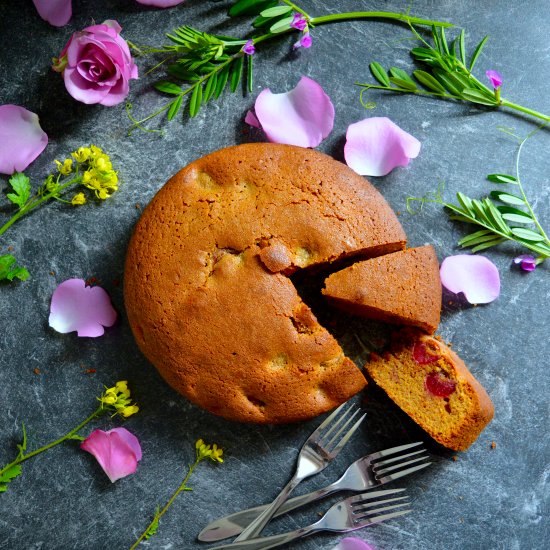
(295, 8)
(22, 458)
(354, 15)
(182, 487)
(526, 110)
(37, 201)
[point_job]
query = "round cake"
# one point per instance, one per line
(207, 287)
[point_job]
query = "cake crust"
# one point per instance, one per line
(402, 288)
(206, 287)
(429, 382)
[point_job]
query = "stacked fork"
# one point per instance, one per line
(318, 451)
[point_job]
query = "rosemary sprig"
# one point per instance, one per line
(503, 216)
(447, 74)
(204, 65)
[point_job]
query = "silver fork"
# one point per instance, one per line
(363, 474)
(320, 448)
(347, 515)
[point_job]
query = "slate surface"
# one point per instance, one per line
(487, 498)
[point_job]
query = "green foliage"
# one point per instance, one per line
(12, 471)
(21, 185)
(154, 525)
(9, 270)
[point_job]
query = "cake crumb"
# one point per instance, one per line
(52, 273)
(90, 371)
(138, 206)
(455, 458)
(493, 445)
(36, 370)
(91, 281)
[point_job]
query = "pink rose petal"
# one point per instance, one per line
(160, 3)
(252, 120)
(475, 276)
(304, 116)
(21, 138)
(375, 146)
(352, 543)
(86, 309)
(55, 12)
(118, 451)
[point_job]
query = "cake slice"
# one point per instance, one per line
(402, 288)
(434, 387)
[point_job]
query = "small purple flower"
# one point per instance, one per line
(249, 48)
(495, 77)
(298, 22)
(526, 262)
(304, 42)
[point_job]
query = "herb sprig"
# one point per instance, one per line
(447, 74)
(203, 65)
(503, 216)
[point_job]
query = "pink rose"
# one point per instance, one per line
(96, 65)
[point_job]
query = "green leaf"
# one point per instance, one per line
(250, 74)
(281, 25)
(488, 244)
(153, 528)
(276, 11)
(410, 86)
(462, 47)
(448, 82)
(501, 178)
(9, 475)
(508, 198)
(379, 73)
(423, 54)
(175, 107)
(465, 202)
(481, 214)
(476, 96)
(236, 73)
(477, 237)
(396, 72)
(21, 184)
(496, 216)
(10, 271)
(250, 7)
(210, 86)
(527, 234)
(428, 81)
(168, 87)
(476, 53)
(515, 215)
(443, 41)
(196, 100)
(223, 76)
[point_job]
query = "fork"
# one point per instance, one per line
(363, 474)
(320, 448)
(347, 515)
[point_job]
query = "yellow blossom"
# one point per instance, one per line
(65, 167)
(78, 199)
(118, 398)
(216, 453)
(129, 411)
(208, 451)
(82, 154)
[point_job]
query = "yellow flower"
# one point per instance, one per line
(207, 451)
(95, 151)
(82, 154)
(129, 411)
(103, 163)
(78, 199)
(66, 167)
(121, 385)
(216, 453)
(118, 398)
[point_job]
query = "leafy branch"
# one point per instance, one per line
(448, 74)
(503, 216)
(203, 65)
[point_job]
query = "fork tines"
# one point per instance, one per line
(401, 465)
(366, 511)
(332, 442)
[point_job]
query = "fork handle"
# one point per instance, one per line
(263, 543)
(256, 527)
(233, 524)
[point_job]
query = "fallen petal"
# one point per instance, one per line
(376, 145)
(304, 116)
(352, 543)
(475, 276)
(86, 309)
(118, 451)
(21, 137)
(526, 262)
(252, 120)
(55, 12)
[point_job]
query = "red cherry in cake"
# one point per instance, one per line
(421, 354)
(438, 385)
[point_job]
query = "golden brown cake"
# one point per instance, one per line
(434, 387)
(206, 286)
(402, 288)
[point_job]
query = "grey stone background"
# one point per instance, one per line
(486, 498)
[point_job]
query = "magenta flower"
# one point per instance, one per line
(96, 65)
(304, 116)
(86, 309)
(495, 77)
(352, 543)
(475, 276)
(21, 138)
(375, 146)
(118, 451)
(55, 12)
(304, 42)
(526, 262)
(298, 21)
(249, 48)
